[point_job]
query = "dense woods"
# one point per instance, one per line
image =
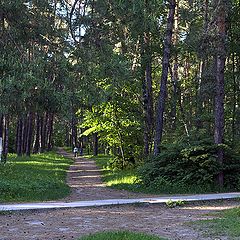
(154, 83)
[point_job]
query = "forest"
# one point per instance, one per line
(153, 83)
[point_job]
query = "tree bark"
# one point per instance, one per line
(163, 88)
(219, 97)
(95, 144)
(29, 133)
(44, 132)
(147, 94)
(6, 137)
(24, 134)
(174, 70)
(19, 136)
(1, 125)
(234, 98)
(50, 132)
(41, 122)
(36, 147)
(74, 129)
(146, 64)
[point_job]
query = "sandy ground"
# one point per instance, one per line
(84, 179)
(172, 223)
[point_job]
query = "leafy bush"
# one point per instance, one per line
(117, 163)
(195, 166)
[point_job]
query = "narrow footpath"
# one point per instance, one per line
(84, 179)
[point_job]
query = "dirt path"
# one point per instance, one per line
(68, 224)
(84, 178)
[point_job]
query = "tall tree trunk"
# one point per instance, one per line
(147, 93)
(202, 69)
(1, 135)
(19, 136)
(146, 64)
(219, 97)
(67, 138)
(234, 98)
(24, 134)
(1, 125)
(95, 144)
(36, 146)
(6, 137)
(163, 88)
(74, 129)
(29, 133)
(174, 70)
(50, 132)
(44, 132)
(41, 122)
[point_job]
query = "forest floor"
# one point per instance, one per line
(85, 182)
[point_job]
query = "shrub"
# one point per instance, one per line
(184, 165)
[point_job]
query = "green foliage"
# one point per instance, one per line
(189, 167)
(224, 224)
(38, 178)
(120, 235)
(171, 204)
(119, 127)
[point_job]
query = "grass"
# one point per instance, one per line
(119, 179)
(120, 235)
(37, 178)
(226, 223)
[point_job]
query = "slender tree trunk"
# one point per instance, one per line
(67, 138)
(36, 147)
(174, 70)
(19, 136)
(44, 132)
(163, 88)
(1, 125)
(146, 62)
(74, 129)
(1, 134)
(41, 141)
(147, 94)
(29, 133)
(95, 144)
(50, 132)
(219, 97)
(24, 134)
(202, 70)
(6, 137)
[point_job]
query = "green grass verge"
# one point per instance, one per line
(226, 224)
(36, 178)
(120, 235)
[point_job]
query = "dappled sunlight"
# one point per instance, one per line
(87, 185)
(91, 176)
(79, 170)
(41, 163)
